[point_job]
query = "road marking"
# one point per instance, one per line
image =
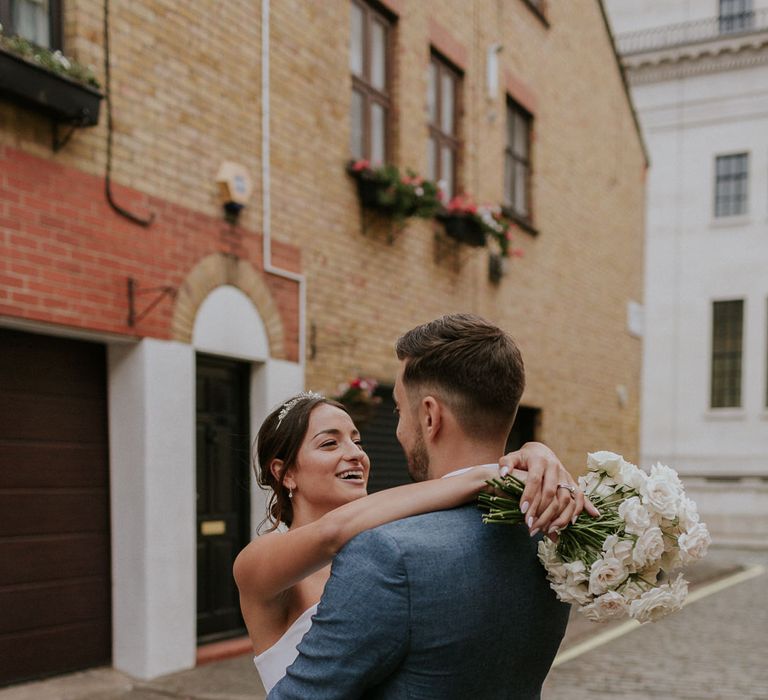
(609, 635)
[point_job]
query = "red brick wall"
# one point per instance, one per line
(65, 255)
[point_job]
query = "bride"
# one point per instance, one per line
(310, 455)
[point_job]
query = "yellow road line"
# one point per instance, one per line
(609, 635)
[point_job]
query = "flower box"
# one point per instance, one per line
(385, 189)
(61, 98)
(465, 228)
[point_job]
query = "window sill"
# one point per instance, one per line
(725, 414)
(730, 221)
(539, 14)
(521, 223)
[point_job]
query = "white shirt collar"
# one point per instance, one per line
(466, 469)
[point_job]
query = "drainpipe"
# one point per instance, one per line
(266, 184)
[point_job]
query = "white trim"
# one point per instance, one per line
(52, 329)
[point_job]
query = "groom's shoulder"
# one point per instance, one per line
(436, 529)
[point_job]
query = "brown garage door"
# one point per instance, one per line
(54, 506)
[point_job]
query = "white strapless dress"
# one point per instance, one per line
(272, 663)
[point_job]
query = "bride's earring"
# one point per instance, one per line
(290, 493)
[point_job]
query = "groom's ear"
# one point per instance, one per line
(431, 416)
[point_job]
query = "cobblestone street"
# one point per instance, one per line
(714, 648)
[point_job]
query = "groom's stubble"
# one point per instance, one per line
(418, 458)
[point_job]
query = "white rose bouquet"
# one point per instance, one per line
(619, 564)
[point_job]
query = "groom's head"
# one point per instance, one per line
(463, 365)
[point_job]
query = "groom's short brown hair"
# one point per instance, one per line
(473, 365)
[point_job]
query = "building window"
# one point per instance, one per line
(731, 180)
(369, 62)
(39, 21)
(736, 15)
(517, 162)
(727, 331)
(443, 95)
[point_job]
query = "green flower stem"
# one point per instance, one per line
(582, 540)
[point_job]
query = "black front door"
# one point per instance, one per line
(223, 499)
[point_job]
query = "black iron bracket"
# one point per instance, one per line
(134, 291)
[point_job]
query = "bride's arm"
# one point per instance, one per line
(274, 562)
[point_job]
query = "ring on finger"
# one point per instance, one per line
(571, 489)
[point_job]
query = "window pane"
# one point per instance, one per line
(432, 93)
(521, 190)
(727, 328)
(30, 20)
(378, 134)
(446, 170)
(356, 145)
(356, 42)
(736, 15)
(379, 56)
(520, 144)
(446, 103)
(509, 179)
(731, 184)
(432, 159)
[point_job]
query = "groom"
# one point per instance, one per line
(438, 605)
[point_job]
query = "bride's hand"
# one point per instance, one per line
(547, 507)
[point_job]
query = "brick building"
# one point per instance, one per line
(143, 337)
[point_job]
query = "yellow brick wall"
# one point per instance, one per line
(186, 96)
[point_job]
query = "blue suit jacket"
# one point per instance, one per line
(434, 606)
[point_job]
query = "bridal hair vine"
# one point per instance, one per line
(288, 405)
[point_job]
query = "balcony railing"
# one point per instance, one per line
(672, 35)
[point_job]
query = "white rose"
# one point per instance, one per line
(672, 559)
(663, 471)
(551, 561)
(653, 605)
(663, 492)
(649, 547)
(577, 570)
(603, 461)
(606, 573)
(660, 601)
(635, 515)
(609, 606)
(632, 589)
(688, 514)
(618, 549)
(694, 543)
(597, 484)
(633, 477)
(575, 594)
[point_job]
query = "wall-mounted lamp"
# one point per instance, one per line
(235, 189)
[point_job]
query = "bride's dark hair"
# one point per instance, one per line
(281, 439)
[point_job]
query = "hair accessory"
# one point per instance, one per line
(288, 405)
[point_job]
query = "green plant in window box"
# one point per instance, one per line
(54, 61)
(386, 190)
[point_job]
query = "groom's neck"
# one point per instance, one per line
(446, 459)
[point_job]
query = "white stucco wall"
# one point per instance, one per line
(693, 259)
(153, 490)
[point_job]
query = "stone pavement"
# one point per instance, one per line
(715, 648)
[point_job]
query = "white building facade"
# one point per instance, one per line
(698, 74)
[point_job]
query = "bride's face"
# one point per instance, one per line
(331, 468)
